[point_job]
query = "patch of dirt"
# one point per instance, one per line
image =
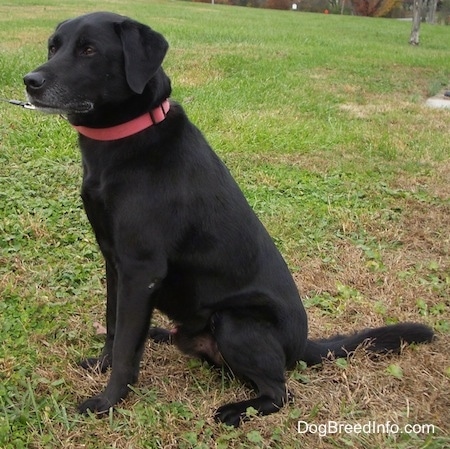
(365, 111)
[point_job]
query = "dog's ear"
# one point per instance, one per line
(143, 50)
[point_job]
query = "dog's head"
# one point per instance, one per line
(98, 60)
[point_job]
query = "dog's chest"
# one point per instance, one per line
(94, 193)
(93, 189)
(98, 171)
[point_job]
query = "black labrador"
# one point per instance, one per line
(174, 228)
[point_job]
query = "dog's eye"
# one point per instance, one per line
(88, 50)
(51, 50)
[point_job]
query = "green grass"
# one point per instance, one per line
(321, 121)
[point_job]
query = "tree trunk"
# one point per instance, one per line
(432, 6)
(417, 13)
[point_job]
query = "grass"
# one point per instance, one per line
(321, 121)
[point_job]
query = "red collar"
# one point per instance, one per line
(127, 129)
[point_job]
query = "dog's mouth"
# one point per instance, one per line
(81, 107)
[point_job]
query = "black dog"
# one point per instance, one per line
(174, 228)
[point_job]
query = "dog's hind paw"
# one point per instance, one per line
(230, 414)
(160, 335)
(235, 413)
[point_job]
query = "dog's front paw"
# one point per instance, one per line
(96, 364)
(230, 414)
(97, 404)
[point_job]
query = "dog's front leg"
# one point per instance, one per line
(104, 361)
(133, 313)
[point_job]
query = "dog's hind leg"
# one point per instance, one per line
(251, 349)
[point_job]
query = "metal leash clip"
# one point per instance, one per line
(23, 104)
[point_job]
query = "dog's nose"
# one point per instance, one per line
(34, 80)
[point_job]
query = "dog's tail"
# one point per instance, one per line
(381, 340)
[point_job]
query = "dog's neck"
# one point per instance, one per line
(129, 128)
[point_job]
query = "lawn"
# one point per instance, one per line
(321, 120)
